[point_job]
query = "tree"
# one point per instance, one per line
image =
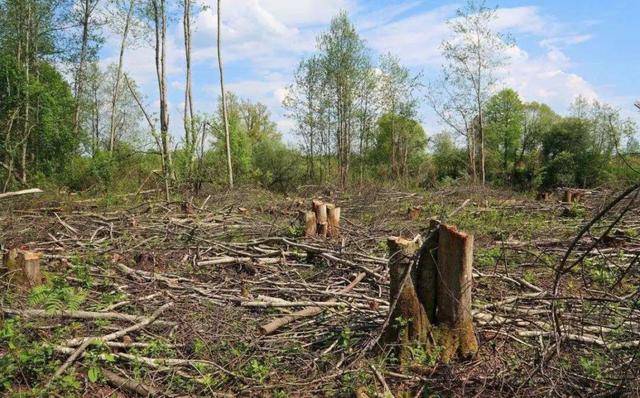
(190, 128)
(504, 117)
(116, 87)
(399, 143)
(345, 60)
(306, 105)
(472, 56)
(90, 41)
(397, 87)
(224, 106)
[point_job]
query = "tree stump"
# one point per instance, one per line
(310, 223)
(409, 324)
(434, 307)
(23, 268)
(321, 217)
(333, 219)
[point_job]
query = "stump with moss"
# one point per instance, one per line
(433, 310)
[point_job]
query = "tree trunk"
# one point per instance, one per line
(224, 108)
(333, 221)
(80, 77)
(190, 134)
(116, 86)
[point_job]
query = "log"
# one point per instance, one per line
(333, 217)
(455, 280)
(310, 224)
(17, 193)
(23, 267)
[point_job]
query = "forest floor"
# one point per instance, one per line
(169, 299)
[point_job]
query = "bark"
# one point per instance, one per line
(224, 107)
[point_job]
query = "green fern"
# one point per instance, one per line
(56, 298)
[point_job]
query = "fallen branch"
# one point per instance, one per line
(17, 193)
(29, 313)
(311, 311)
(120, 333)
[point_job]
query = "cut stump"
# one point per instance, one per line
(433, 309)
(23, 268)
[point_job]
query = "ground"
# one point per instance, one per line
(182, 290)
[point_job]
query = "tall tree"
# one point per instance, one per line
(505, 115)
(84, 16)
(224, 106)
(345, 61)
(159, 15)
(190, 130)
(472, 56)
(116, 87)
(397, 87)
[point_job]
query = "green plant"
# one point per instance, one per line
(56, 297)
(257, 370)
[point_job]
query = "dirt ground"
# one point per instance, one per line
(204, 275)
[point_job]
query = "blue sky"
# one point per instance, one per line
(563, 49)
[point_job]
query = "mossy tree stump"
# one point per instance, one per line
(433, 309)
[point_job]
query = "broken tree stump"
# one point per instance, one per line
(433, 308)
(22, 268)
(321, 217)
(409, 324)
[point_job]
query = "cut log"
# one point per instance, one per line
(333, 219)
(455, 280)
(23, 268)
(310, 224)
(409, 324)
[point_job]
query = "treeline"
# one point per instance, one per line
(68, 121)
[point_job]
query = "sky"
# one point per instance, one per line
(563, 48)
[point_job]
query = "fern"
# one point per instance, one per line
(56, 298)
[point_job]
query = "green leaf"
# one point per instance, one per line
(93, 374)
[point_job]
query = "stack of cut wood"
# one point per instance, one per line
(322, 220)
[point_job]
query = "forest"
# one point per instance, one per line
(158, 249)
